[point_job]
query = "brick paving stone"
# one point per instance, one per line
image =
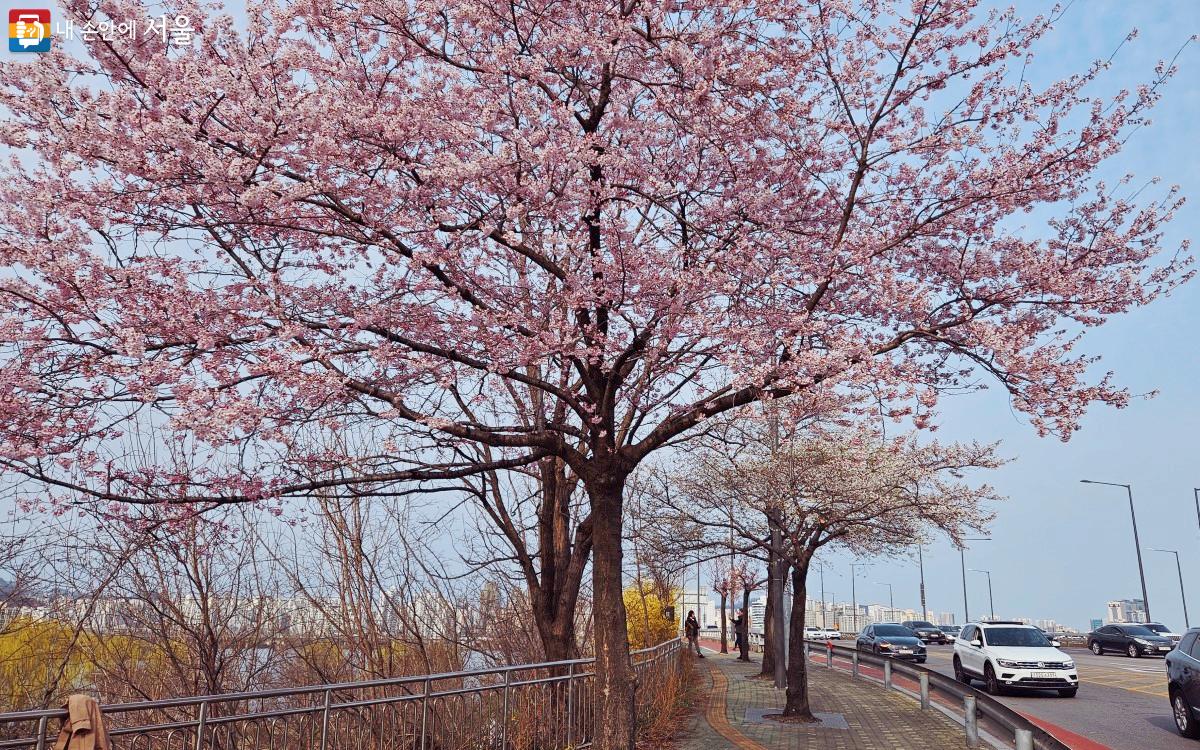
(878, 719)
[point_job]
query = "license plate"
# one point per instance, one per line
(1044, 675)
(906, 650)
(1165, 648)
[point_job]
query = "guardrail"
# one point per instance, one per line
(548, 705)
(978, 708)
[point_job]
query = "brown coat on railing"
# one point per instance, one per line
(83, 729)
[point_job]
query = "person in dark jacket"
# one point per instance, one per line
(741, 630)
(691, 628)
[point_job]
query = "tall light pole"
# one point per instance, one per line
(854, 596)
(962, 559)
(821, 569)
(1137, 544)
(991, 602)
(921, 568)
(1196, 492)
(891, 601)
(1179, 570)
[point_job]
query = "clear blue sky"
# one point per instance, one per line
(1062, 549)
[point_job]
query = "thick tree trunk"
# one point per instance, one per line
(768, 659)
(744, 654)
(797, 668)
(561, 558)
(557, 633)
(615, 713)
(724, 627)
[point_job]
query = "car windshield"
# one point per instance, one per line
(892, 630)
(923, 624)
(1137, 630)
(1015, 637)
(1158, 627)
(951, 628)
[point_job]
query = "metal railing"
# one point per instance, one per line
(545, 706)
(973, 708)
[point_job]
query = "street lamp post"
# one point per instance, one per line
(962, 559)
(1179, 570)
(1196, 492)
(1137, 544)
(854, 596)
(891, 600)
(921, 568)
(991, 602)
(824, 624)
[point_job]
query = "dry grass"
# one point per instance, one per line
(667, 713)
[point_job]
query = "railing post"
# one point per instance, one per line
(570, 705)
(1024, 739)
(325, 722)
(829, 655)
(504, 718)
(41, 730)
(854, 664)
(972, 720)
(924, 690)
(200, 724)
(887, 673)
(424, 713)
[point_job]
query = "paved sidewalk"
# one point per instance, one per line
(875, 719)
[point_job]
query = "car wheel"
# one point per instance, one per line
(1184, 721)
(991, 684)
(921, 660)
(1096, 648)
(1133, 651)
(960, 674)
(1068, 692)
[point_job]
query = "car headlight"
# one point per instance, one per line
(884, 644)
(1143, 641)
(1069, 665)
(1007, 663)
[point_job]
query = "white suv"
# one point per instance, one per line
(1013, 655)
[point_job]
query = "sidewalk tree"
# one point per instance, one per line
(852, 488)
(724, 575)
(318, 218)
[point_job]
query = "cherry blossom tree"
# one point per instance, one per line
(724, 573)
(853, 489)
(544, 233)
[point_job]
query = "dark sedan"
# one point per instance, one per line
(926, 631)
(1129, 638)
(1183, 684)
(891, 639)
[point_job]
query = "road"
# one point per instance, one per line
(1122, 702)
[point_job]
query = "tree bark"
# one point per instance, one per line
(615, 685)
(768, 659)
(797, 669)
(557, 633)
(744, 651)
(724, 627)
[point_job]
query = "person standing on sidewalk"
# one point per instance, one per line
(741, 629)
(691, 628)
